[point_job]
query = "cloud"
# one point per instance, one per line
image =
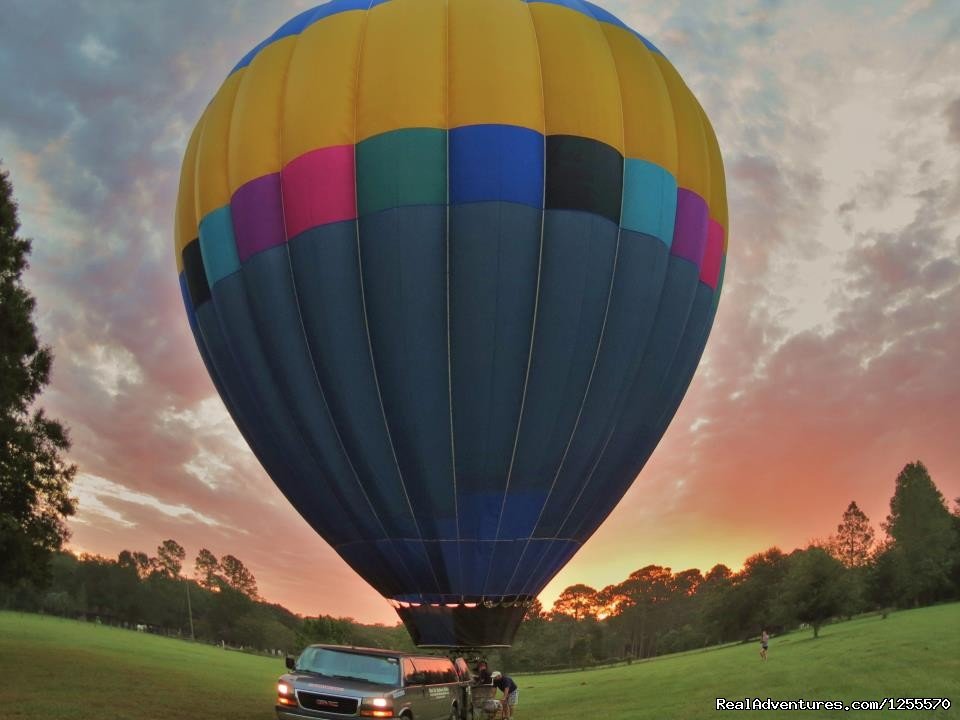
(953, 121)
(96, 489)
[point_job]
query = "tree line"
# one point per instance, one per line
(656, 611)
(219, 604)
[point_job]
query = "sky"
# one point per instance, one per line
(833, 360)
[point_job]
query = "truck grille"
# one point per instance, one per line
(328, 703)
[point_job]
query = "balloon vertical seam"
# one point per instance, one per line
(453, 443)
(536, 306)
(603, 327)
(575, 532)
(363, 301)
(306, 341)
(631, 380)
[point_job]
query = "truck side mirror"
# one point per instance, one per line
(291, 662)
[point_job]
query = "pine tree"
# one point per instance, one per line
(141, 563)
(34, 477)
(207, 569)
(854, 539)
(238, 577)
(170, 557)
(921, 529)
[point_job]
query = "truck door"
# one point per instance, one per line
(415, 691)
(441, 686)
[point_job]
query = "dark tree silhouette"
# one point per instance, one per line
(236, 576)
(141, 563)
(888, 577)
(815, 587)
(922, 528)
(577, 601)
(34, 477)
(638, 600)
(207, 568)
(718, 574)
(534, 611)
(170, 556)
(853, 541)
(755, 599)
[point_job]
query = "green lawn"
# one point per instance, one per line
(910, 654)
(51, 668)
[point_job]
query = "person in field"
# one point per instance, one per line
(764, 644)
(511, 693)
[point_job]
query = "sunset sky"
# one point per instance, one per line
(834, 359)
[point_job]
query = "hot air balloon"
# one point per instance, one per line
(451, 265)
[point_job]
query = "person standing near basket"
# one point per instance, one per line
(483, 676)
(511, 693)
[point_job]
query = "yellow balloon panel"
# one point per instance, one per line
(320, 100)
(693, 171)
(580, 86)
(650, 131)
(185, 228)
(254, 145)
(213, 187)
(718, 183)
(494, 65)
(403, 68)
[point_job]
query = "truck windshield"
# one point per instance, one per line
(350, 666)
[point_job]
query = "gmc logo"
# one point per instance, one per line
(327, 703)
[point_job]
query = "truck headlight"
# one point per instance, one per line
(283, 689)
(377, 707)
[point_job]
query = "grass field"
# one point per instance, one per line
(51, 668)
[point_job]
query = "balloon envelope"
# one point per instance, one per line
(451, 265)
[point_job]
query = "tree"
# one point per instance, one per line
(755, 597)
(854, 539)
(324, 629)
(138, 561)
(717, 575)
(170, 556)
(236, 576)
(575, 604)
(686, 582)
(577, 601)
(888, 577)
(534, 611)
(207, 568)
(638, 600)
(34, 477)
(718, 625)
(681, 607)
(921, 526)
(815, 587)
